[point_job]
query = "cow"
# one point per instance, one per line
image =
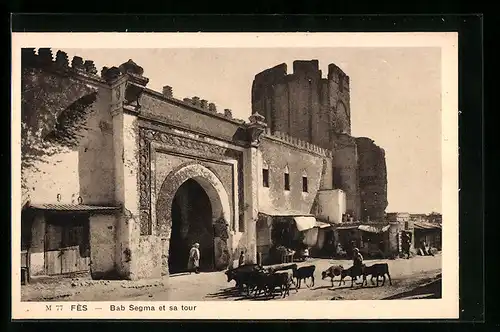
(242, 275)
(281, 280)
(376, 270)
(268, 282)
(332, 272)
(302, 273)
(282, 267)
(350, 272)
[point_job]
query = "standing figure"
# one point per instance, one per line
(194, 259)
(406, 243)
(241, 260)
(357, 263)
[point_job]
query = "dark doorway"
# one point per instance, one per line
(191, 223)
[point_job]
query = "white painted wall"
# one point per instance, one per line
(86, 171)
(331, 205)
(37, 257)
(102, 243)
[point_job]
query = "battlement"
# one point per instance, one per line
(300, 144)
(307, 68)
(44, 58)
(208, 107)
(337, 75)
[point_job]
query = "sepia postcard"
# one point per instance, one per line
(235, 176)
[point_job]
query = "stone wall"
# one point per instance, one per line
(86, 170)
(372, 179)
(279, 156)
(37, 250)
(102, 245)
(345, 164)
(189, 115)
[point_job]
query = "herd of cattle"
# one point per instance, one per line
(255, 279)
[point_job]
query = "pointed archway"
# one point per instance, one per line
(191, 205)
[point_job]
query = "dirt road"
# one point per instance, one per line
(418, 277)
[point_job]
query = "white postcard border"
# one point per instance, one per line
(447, 307)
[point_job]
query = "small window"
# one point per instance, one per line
(287, 181)
(406, 225)
(304, 184)
(287, 178)
(265, 178)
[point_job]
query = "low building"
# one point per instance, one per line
(431, 233)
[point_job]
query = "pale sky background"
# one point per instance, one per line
(395, 99)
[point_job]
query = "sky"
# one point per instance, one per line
(395, 99)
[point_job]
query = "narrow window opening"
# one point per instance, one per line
(287, 178)
(304, 184)
(265, 178)
(287, 181)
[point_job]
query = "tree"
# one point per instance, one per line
(54, 109)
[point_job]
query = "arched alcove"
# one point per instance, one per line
(192, 199)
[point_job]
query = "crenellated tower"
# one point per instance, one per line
(304, 104)
(317, 110)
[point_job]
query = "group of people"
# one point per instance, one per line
(194, 259)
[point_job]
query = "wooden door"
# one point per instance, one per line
(75, 254)
(53, 252)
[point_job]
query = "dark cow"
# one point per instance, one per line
(376, 270)
(332, 272)
(281, 280)
(242, 275)
(282, 267)
(351, 272)
(302, 273)
(267, 282)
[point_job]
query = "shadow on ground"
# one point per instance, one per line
(237, 295)
(428, 290)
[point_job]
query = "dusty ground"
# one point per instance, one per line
(418, 277)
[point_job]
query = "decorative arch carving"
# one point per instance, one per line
(208, 180)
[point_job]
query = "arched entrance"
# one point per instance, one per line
(191, 206)
(191, 222)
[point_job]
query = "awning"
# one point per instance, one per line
(282, 213)
(321, 224)
(304, 223)
(72, 207)
(373, 229)
(347, 225)
(426, 225)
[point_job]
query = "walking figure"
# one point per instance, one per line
(194, 259)
(241, 260)
(357, 263)
(406, 245)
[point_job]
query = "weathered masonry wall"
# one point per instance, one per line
(282, 153)
(102, 245)
(37, 250)
(303, 104)
(190, 114)
(86, 171)
(372, 179)
(346, 172)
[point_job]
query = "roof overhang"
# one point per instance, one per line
(74, 208)
(374, 229)
(426, 226)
